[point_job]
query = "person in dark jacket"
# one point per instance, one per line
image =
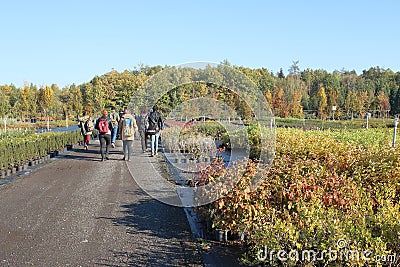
(156, 124)
(142, 123)
(104, 126)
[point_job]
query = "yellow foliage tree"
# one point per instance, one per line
(322, 102)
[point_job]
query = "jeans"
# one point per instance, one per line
(114, 134)
(154, 142)
(105, 140)
(127, 145)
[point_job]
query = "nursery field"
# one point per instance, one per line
(331, 198)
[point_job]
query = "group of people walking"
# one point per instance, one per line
(123, 126)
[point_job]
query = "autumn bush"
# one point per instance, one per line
(323, 187)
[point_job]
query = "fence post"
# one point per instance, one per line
(396, 122)
(368, 116)
(271, 126)
(66, 120)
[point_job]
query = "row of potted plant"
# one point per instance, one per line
(16, 151)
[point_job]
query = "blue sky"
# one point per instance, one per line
(65, 42)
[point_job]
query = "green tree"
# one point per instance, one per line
(294, 68)
(396, 106)
(4, 104)
(280, 74)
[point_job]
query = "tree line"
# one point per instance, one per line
(307, 93)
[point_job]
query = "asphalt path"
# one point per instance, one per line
(79, 211)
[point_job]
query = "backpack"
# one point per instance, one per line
(128, 127)
(114, 118)
(103, 126)
(89, 125)
(153, 122)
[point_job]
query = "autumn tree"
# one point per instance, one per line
(28, 101)
(293, 95)
(360, 102)
(383, 103)
(322, 102)
(75, 97)
(349, 104)
(45, 99)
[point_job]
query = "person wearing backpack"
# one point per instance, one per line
(126, 130)
(104, 126)
(156, 124)
(142, 122)
(114, 116)
(87, 127)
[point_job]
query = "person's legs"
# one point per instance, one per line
(136, 134)
(156, 142)
(143, 140)
(114, 135)
(102, 144)
(124, 148)
(130, 149)
(86, 141)
(146, 139)
(107, 138)
(153, 144)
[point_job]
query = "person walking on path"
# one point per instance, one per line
(104, 126)
(86, 125)
(142, 122)
(126, 130)
(156, 124)
(114, 116)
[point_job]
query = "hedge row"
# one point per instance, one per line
(332, 124)
(19, 150)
